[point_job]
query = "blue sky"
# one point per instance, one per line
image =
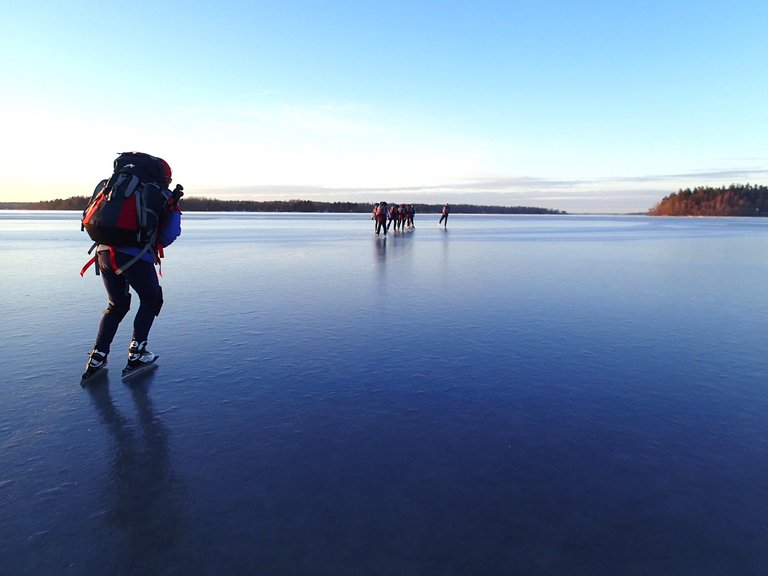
(590, 106)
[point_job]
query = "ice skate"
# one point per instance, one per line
(97, 363)
(139, 359)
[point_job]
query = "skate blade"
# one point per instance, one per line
(129, 373)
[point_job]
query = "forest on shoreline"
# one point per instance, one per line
(197, 204)
(733, 200)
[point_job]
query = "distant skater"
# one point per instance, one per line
(405, 216)
(375, 216)
(123, 267)
(444, 216)
(381, 213)
(392, 217)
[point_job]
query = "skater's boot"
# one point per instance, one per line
(138, 355)
(96, 362)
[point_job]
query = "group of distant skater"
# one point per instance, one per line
(401, 215)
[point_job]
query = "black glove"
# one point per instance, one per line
(176, 195)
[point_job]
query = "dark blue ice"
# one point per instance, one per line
(565, 395)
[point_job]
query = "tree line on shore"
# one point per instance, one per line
(201, 204)
(733, 200)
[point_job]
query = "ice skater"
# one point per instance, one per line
(444, 216)
(380, 214)
(392, 217)
(119, 275)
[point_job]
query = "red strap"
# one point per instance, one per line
(87, 265)
(158, 255)
(112, 260)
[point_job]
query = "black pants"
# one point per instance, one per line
(443, 217)
(381, 224)
(140, 276)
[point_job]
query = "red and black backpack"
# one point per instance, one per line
(127, 209)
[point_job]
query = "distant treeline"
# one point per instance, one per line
(196, 204)
(734, 200)
(73, 203)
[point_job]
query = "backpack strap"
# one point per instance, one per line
(91, 261)
(159, 255)
(152, 245)
(88, 265)
(117, 270)
(131, 262)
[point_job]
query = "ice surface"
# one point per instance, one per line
(512, 395)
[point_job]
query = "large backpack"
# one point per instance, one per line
(127, 209)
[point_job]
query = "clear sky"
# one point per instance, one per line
(584, 106)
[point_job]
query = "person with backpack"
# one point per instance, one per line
(392, 217)
(137, 191)
(403, 216)
(381, 213)
(375, 216)
(444, 216)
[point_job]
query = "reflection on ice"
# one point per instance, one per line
(143, 498)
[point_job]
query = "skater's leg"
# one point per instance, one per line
(119, 303)
(142, 277)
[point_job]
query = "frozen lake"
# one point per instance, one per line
(564, 395)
